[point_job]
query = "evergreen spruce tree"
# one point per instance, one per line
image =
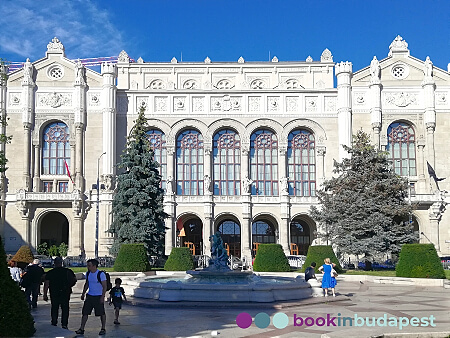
(137, 208)
(363, 207)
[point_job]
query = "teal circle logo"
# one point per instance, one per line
(280, 320)
(262, 320)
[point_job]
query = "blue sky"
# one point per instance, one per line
(225, 30)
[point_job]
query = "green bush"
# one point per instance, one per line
(317, 253)
(180, 259)
(23, 256)
(132, 257)
(63, 249)
(53, 251)
(419, 261)
(42, 249)
(15, 317)
(271, 257)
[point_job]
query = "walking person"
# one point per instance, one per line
(326, 279)
(95, 298)
(115, 297)
(31, 281)
(15, 271)
(60, 281)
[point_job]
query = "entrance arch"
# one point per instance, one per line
(231, 234)
(190, 234)
(54, 229)
(301, 236)
(264, 231)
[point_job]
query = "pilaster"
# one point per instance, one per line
(343, 72)
(109, 89)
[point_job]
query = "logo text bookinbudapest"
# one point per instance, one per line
(280, 320)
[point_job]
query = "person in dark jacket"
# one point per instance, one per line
(31, 281)
(60, 281)
(310, 271)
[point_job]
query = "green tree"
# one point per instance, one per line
(15, 317)
(362, 208)
(137, 208)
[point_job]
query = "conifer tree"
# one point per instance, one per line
(137, 208)
(362, 208)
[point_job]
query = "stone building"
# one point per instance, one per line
(243, 146)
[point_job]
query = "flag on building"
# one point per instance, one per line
(68, 171)
(432, 173)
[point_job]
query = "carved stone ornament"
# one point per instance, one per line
(174, 60)
(142, 102)
(311, 103)
(109, 182)
(291, 104)
(161, 104)
(55, 46)
(134, 85)
(28, 73)
(309, 59)
(441, 98)
(398, 45)
(179, 103)
(241, 60)
(190, 84)
(257, 84)
(274, 59)
(437, 210)
(55, 100)
(207, 60)
(330, 103)
(123, 57)
(360, 98)
(401, 99)
(273, 103)
(254, 104)
(14, 99)
(198, 104)
(140, 60)
(80, 73)
(326, 56)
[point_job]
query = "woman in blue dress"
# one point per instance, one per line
(326, 279)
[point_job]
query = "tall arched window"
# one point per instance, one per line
(301, 163)
(300, 236)
(264, 162)
(262, 232)
(227, 163)
(190, 163)
(231, 235)
(55, 149)
(158, 144)
(401, 147)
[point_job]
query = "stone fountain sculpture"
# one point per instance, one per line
(219, 256)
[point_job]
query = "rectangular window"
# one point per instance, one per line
(48, 186)
(63, 186)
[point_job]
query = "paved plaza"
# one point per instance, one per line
(157, 319)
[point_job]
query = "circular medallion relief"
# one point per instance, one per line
(400, 71)
(55, 72)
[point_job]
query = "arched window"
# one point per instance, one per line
(231, 236)
(401, 147)
(300, 236)
(158, 144)
(191, 236)
(227, 163)
(55, 149)
(264, 163)
(301, 163)
(262, 232)
(190, 163)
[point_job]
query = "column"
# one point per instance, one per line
(246, 198)
(343, 72)
(109, 74)
(283, 227)
(3, 83)
(421, 183)
(170, 203)
(429, 86)
(37, 166)
(26, 156)
(79, 179)
(27, 120)
(73, 159)
(208, 206)
(375, 104)
(320, 166)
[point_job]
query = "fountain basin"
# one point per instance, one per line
(245, 287)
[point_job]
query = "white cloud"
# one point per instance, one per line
(85, 29)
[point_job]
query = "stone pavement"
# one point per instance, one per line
(154, 319)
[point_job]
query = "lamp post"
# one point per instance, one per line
(98, 204)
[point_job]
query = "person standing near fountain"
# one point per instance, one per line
(326, 279)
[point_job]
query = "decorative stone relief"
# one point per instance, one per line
(141, 102)
(359, 98)
(320, 84)
(225, 103)
(441, 98)
(161, 103)
(326, 56)
(330, 103)
(55, 100)
(309, 59)
(291, 104)
(198, 104)
(140, 60)
(109, 181)
(291, 84)
(156, 84)
(55, 45)
(190, 84)
(311, 104)
(80, 73)
(134, 85)
(254, 104)
(257, 84)
(14, 99)
(94, 99)
(179, 103)
(224, 84)
(273, 104)
(401, 99)
(123, 57)
(216, 104)
(398, 45)
(122, 104)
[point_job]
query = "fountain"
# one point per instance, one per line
(218, 283)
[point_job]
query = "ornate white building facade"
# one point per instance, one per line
(243, 146)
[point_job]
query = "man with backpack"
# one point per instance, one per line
(96, 282)
(60, 282)
(31, 281)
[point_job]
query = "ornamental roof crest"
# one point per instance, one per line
(326, 56)
(123, 57)
(55, 46)
(398, 45)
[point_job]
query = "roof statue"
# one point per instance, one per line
(123, 57)
(428, 68)
(398, 45)
(375, 70)
(27, 72)
(55, 46)
(326, 56)
(80, 72)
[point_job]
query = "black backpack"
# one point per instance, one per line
(108, 278)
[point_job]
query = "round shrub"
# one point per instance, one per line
(23, 256)
(317, 253)
(271, 257)
(15, 317)
(180, 259)
(132, 257)
(419, 261)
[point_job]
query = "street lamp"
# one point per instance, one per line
(98, 204)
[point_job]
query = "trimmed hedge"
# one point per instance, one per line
(419, 261)
(132, 257)
(269, 258)
(15, 317)
(23, 256)
(180, 259)
(317, 253)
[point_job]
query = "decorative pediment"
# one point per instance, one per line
(55, 46)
